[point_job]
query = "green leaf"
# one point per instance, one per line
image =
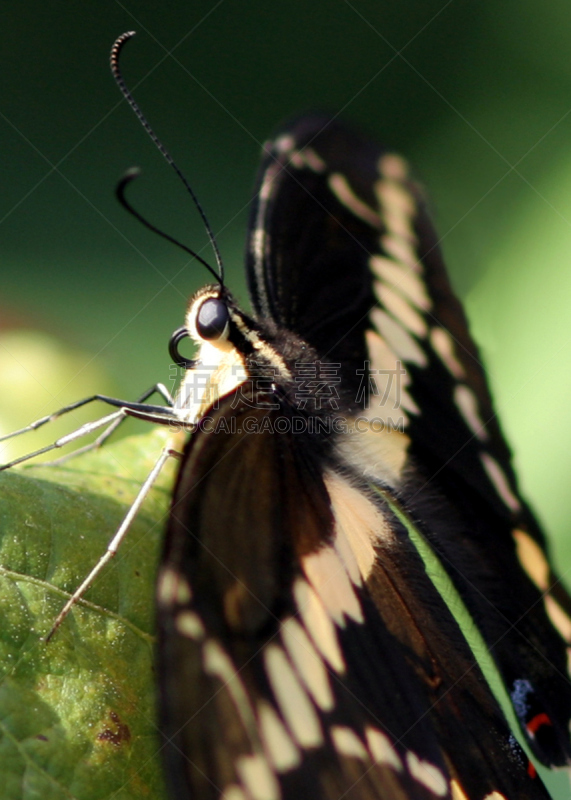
(77, 715)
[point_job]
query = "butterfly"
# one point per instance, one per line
(304, 650)
(341, 431)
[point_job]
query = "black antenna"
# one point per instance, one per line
(120, 189)
(114, 60)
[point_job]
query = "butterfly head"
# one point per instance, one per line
(236, 350)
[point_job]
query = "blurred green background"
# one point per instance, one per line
(476, 95)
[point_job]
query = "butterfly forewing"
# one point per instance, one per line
(305, 664)
(304, 651)
(307, 255)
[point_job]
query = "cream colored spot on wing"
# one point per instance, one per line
(374, 450)
(495, 796)
(398, 224)
(295, 706)
(500, 481)
(308, 663)
(402, 278)
(218, 663)
(296, 159)
(285, 143)
(428, 774)
(388, 376)
(344, 193)
(342, 544)
(358, 525)
(233, 792)
(398, 339)
(393, 166)
(393, 194)
(532, 559)
(391, 379)
(381, 749)
(401, 250)
(278, 744)
(467, 405)
(313, 160)
(347, 743)
(443, 346)
(558, 617)
(318, 624)
(189, 624)
(183, 591)
(167, 584)
(398, 208)
(326, 573)
(457, 791)
(401, 309)
(385, 359)
(257, 777)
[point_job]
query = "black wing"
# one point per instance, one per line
(304, 652)
(341, 251)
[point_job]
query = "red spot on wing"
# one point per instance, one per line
(531, 770)
(536, 722)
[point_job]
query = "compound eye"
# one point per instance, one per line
(212, 319)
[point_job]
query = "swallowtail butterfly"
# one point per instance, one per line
(303, 648)
(339, 431)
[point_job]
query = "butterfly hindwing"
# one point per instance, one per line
(345, 192)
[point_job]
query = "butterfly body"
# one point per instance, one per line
(304, 650)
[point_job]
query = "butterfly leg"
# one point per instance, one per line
(153, 413)
(96, 444)
(113, 546)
